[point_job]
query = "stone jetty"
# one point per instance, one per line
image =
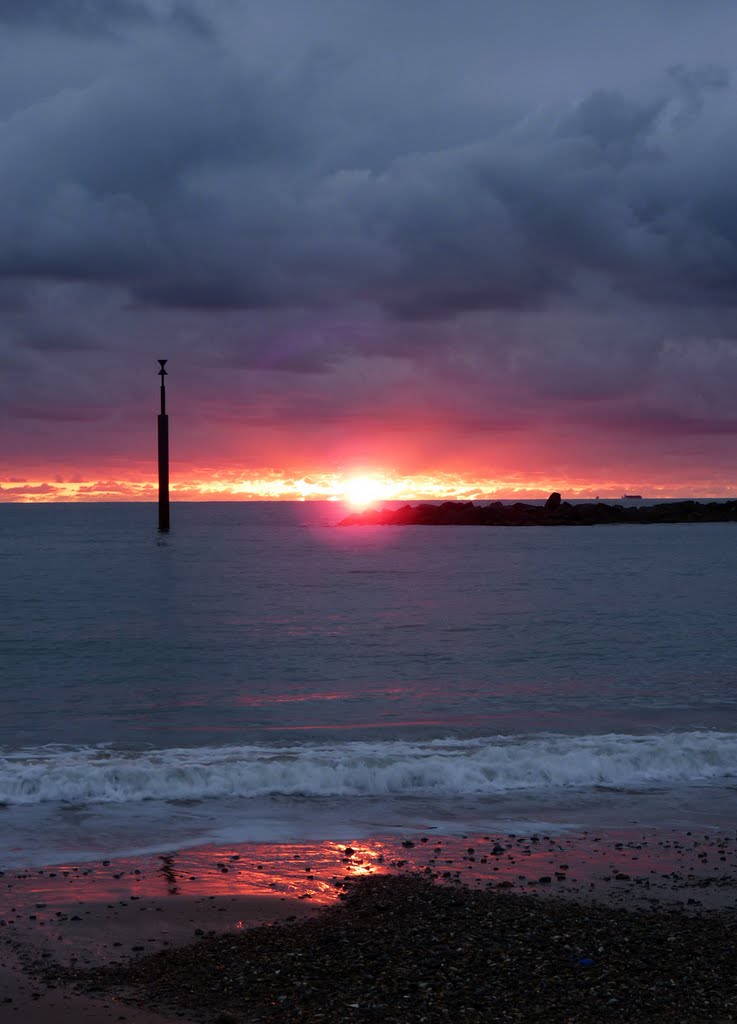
(555, 512)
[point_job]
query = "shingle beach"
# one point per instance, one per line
(410, 945)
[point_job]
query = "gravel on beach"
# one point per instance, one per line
(406, 949)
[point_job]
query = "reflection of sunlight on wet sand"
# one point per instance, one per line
(86, 913)
(317, 872)
(313, 871)
(90, 914)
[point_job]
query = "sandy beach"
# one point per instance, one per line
(123, 916)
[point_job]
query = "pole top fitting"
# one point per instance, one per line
(162, 371)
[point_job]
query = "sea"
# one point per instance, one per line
(262, 674)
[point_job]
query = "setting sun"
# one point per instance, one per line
(365, 490)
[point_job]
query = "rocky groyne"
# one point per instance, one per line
(555, 512)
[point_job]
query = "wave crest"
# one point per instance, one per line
(451, 767)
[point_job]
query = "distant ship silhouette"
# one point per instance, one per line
(631, 497)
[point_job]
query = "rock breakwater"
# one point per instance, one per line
(553, 513)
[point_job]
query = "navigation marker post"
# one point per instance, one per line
(163, 456)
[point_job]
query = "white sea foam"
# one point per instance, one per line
(447, 768)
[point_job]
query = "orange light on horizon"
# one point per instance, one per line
(356, 489)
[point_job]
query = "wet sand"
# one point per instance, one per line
(37, 938)
(60, 921)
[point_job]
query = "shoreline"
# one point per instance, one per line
(83, 917)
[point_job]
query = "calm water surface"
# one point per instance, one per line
(260, 672)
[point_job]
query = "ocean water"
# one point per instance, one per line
(260, 674)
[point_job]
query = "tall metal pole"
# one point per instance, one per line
(163, 456)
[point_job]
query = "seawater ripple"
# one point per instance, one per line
(439, 767)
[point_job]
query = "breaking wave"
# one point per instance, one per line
(450, 767)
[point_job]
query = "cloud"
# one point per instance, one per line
(25, 489)
(89, 17)
(195, 177)
(342, 214)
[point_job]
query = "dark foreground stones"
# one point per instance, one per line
(405, 949)
(555, 512)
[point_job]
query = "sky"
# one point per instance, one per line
(464, 248)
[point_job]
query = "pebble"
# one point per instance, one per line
(405, 948)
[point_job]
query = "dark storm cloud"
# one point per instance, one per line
(528, 201)
(98, 16)
(198, 179)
